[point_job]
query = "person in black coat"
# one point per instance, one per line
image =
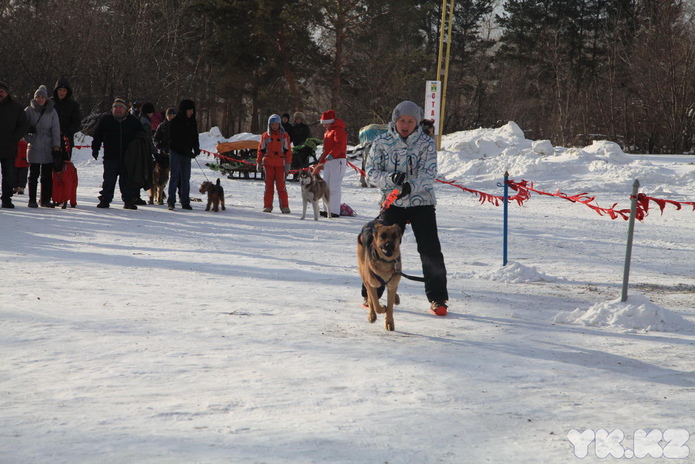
(286, 124)
(68, 113)
(116, 131)
(300, 131)
(13, 126)
(183, 147)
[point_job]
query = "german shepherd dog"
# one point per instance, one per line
(314, 188)
(215, 195)
(160, 177)
(379, 263)
(64, 188)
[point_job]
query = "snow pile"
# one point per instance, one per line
(515, 273)
(638, 313)
(480, 157)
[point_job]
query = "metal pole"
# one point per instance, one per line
(630, 233)
(506, 218)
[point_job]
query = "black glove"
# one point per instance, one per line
(95, 154)
(398, 177)
(405, 190)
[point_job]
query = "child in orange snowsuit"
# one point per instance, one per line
(275, 157)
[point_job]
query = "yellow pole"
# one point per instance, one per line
(441, 42)
(446, 74)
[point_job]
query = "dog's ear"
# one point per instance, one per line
(218, 181)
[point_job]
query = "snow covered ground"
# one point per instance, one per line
(158, 336)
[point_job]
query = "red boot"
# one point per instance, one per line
(438, 308)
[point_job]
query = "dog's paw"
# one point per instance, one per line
(371, 317)
(389, 325)
(380, 309)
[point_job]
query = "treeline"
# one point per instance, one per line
(565, 70)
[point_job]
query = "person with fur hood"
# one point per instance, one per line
(184, 145)
(68, 113)
(275, 157)
(405, 158)
(334, 159)
(43, 139)
(13, 126)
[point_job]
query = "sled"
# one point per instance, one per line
(367, 135)
(238, 159)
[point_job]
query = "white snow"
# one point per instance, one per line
(637, 313)
(158, 336)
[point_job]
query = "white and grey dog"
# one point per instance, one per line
(314, 188)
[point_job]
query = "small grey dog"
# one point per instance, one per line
(314, 188)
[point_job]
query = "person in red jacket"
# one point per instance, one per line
(275, 157)
(333, 159)
(21, 168)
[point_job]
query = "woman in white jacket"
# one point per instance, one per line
(43, 139)
(405, 158)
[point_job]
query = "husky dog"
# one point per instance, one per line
(215, 195)
(313, 189)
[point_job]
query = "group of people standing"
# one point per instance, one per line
(174, 142)
(31, 139)
(275, 157)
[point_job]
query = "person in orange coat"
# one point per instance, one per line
(275, 157)
(334, 159)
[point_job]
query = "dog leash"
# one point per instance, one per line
(201, 169)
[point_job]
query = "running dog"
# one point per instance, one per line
(160, 177)
(215, 195)
(379, 264)
(314, 188)
(64, 182)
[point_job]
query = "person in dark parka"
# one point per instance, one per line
(183, 147)
(13, 126)
(68, 113)
(116, 131)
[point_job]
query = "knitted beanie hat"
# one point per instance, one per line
(407, 108)
(119, 102)
(4, 87)
(299, 115)
(42, 91)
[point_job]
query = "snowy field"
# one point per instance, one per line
(156, 336)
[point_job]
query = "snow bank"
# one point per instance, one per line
(637, 313)
(480, 157)
(515, 273)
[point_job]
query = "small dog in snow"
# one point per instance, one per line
(314, 188)
(215, 195)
